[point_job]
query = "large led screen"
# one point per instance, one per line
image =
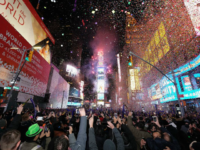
(187, 79)
(100, 71)
(100, 96)
(100, 86)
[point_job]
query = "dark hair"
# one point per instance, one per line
(61, 143)
(10, 139)
(140, 125)
(151, 126)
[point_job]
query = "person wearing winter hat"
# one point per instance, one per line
(14, 123)
(32, 135)
(195, 145)
(108, 144)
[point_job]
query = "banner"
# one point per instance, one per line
(59, 90)
(34, 75)
(23, 17)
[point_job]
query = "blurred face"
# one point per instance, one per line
(166, 137)
(153, 129)
(156, 135)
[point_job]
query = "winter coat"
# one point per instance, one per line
(159, 144)
(129, 136)
(80, 143)
(137, 133)
(92, 140)
(13, 125)
(31, 145)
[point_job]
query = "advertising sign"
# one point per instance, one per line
(188, 82)
(72, 71)
(100, 96)
(155, 92)
(23, 17)
(100, 86)
(34, 75)
(193, 8)
(45, 52)
(59, 90)
(134, 79)
(100, 71)
(73, 92)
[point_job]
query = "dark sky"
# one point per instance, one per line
(79, 24)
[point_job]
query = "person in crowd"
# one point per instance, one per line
(10, 140)
(185, 127)
(108, 144)
(80, 143)
(14, 123)
(138, 135)
(194, 145)
(25, 124)
(33, 134)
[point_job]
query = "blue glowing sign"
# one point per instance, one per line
(188, 82)
(73, 104)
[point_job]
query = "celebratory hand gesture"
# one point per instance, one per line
(157, 122)
(19, 109)
(70, 129)
(82, 112)
(130, 113)
(91, 121)
(110, 125)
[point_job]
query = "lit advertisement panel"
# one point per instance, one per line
(193, 9)
(100, 71)
(157, 48)
(119, 68)
(45, 52)
(100, 86)
(34, 75)
(155, 92)
(187, 79)
(100, 96)
(58, 85)
(23, 17)
(134, 79)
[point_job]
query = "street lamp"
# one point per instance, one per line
(174, 82)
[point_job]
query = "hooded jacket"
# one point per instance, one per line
(137, 133)
(80, 143)
(108, 144)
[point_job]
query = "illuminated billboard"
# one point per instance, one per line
(45, 52)
(100, 96)
(193, 8)
(71, 70)
(23, 17)
(134, 79)
(34, 75)
(100, 86)
(156, 49)
(155, 92)
(100, 71)
(188, 82)
(119, 68)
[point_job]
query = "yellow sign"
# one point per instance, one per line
(134, 79)
(156, 49)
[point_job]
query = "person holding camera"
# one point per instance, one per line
(80, 143)
(33, 134)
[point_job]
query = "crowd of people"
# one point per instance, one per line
(89, 129)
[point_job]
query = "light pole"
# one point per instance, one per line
(174, 82)
(16, 76)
